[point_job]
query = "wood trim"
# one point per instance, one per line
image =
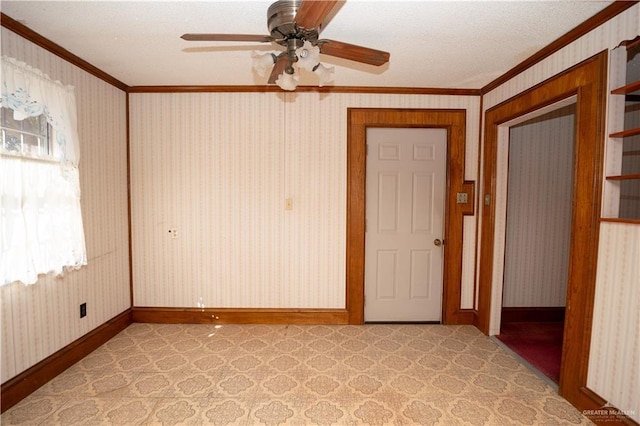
(594, 402)
(590, 24)
(618, 220)
(624, 177)
(129, 215)
(533, 314)
(306, 89)
(238, 315)
(476, 252)
(586, 81)
(19, 387)
(205, 89)
(631, 44)
(625, 133)
(32, 36)
(455, 122)
(629, 88)
(469, 208)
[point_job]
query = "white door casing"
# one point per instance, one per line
(405, 211)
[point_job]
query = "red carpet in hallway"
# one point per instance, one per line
(538, 343)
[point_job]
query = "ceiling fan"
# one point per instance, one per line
(296, 24)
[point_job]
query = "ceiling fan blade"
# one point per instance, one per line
(278, 67)
(353, 52)
(227, 37)
(312, 13)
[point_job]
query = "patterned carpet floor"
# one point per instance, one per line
(540, 344)
(302, 375)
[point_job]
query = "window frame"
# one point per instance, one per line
(45, 137)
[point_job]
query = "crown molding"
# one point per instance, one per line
(590, 24)
(32, 36)
(306, 89)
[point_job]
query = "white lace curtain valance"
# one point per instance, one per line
(29, 93)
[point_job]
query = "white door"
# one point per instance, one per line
(405, 205)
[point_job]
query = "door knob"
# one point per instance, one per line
(437, 242)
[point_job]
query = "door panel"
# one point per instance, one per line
(405, 199)
(388, 202)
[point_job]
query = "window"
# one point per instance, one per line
(29, 137)
(41, 221)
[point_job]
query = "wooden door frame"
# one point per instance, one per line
(588, 82)
(454, 121)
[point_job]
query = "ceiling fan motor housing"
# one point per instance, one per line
(282, 26)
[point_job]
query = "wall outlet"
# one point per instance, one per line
(83, 310)
(462, 198)
(288, 204)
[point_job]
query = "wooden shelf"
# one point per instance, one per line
(629, 88)
(624, 177)
(625, 133)
(626, 152)
(618, 220)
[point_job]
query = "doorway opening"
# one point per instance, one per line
(538, 239)
(587, 83)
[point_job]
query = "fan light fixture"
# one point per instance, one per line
(306, 57)
(263, 63)
(295, 25)
(287, 81)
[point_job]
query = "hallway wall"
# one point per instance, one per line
(540, 186)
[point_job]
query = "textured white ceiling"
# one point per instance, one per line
(441, 44)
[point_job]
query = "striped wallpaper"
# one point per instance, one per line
(618, 242)
(218, 167)
(614, 365)
(40, 319)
